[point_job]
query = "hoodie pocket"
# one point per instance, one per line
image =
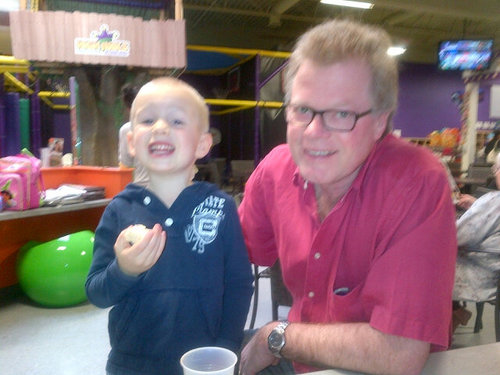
(211, 304)
(166, 323)
(144, 324)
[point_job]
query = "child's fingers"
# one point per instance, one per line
(142, 255)
(143, 244)
(145, 251)
(155, 248)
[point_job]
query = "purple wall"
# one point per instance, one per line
(425, 100)
(62, 128)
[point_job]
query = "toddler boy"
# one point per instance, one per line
(187, 283)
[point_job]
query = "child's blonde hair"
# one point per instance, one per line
(171, 81)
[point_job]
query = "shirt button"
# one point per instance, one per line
(147, 200)
(169, 222)
(317, 255)
(310, 294)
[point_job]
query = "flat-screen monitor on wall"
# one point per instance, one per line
(465, 54)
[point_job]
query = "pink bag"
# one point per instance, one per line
(20, 182)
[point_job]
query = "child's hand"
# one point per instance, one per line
(141, 256)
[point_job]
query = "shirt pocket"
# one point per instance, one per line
(346, 307)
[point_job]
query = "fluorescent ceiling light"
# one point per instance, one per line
(347, 3)
(396, 50)
(9, 5)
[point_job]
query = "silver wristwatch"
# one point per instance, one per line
(276, 339)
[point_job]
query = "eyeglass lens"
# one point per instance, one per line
(332, 119)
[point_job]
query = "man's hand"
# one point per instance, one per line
(141, 256)
(352, 346)
(256, 355)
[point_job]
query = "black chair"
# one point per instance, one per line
(257, 276)
(497, 314)
(280, 296)
(478, 324)
(240, 172)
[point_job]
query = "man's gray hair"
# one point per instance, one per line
(338, 40)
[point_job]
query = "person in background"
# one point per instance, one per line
(478, 260)
(125, 159)
(493, 143)
(362, 222)
(188, 281)
(465, 201)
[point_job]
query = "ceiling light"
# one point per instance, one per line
(396, 50)
(347, 3)
(9, 5)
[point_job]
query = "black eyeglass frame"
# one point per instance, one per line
(357, 116)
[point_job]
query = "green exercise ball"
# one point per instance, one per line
(53, 273)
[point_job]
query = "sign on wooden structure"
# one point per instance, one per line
(99, 39)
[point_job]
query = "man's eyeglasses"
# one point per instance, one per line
(333, 119)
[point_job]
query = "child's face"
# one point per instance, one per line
(167, 135)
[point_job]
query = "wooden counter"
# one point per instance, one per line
(42, 224)
(47, 223)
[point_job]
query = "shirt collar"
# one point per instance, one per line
(298, 180)
(368, 161)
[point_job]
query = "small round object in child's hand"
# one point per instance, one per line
(135, 233)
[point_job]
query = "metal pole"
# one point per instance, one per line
(257, 112)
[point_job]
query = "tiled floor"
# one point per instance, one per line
(36, 340)
(74, 341)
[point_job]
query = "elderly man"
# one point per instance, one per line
(361, 221)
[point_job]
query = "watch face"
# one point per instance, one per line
(275, 339)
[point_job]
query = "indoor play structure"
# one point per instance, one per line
(244, 89)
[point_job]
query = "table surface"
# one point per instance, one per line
(474, 360)
(11, 215)
(470, 181)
